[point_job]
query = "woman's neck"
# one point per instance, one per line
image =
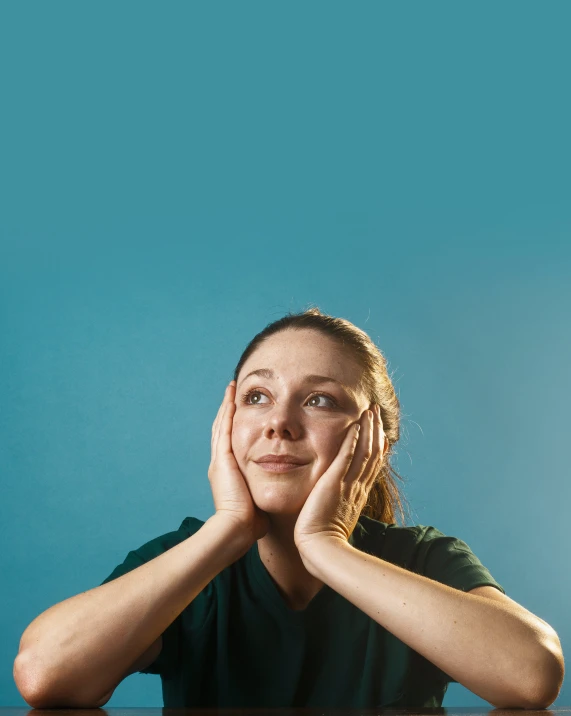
(283, 562)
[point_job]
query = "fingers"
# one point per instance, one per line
(225, 431)
(378, 443)
(222, 410)
(217, 421)
(364, 449)
(365, 453)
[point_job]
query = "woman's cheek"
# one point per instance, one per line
(328, 442)
(240, 438)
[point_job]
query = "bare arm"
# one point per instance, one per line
(77, 652)
(494, 647)
(142, 662)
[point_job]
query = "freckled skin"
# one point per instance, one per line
(283, 417)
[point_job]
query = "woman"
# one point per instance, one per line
(301, 590)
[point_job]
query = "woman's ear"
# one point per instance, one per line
(386, 446)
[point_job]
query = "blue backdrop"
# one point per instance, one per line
(174, 176)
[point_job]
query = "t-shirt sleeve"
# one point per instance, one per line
(168, 657)
(450, 561)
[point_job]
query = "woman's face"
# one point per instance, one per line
(288, 412)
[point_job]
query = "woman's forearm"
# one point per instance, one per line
(78, 650)
(506, 656)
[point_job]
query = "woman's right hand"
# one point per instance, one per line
(232, 498)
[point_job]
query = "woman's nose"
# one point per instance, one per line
(283, 420)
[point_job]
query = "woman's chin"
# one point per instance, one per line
(279, 499)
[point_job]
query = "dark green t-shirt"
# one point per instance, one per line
(238, 644)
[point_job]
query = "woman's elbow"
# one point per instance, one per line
(550, 677)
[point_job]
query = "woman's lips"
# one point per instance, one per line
(279, 466)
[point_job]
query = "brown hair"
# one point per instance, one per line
(384, 497)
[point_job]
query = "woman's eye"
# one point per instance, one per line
(321, 395)
(253, 393)
(257, 395)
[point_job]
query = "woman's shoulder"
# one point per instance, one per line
(426, 550)
(405, 544)
(390, 532)
(155, 547)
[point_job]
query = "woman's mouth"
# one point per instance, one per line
(279, 466)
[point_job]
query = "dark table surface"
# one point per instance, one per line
(135, 711)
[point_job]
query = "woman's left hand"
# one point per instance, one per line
(335, 503)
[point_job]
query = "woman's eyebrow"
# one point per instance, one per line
(311, 378)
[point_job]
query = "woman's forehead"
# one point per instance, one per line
(309, 351)
(305, 342)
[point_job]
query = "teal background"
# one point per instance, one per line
(174, 176)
